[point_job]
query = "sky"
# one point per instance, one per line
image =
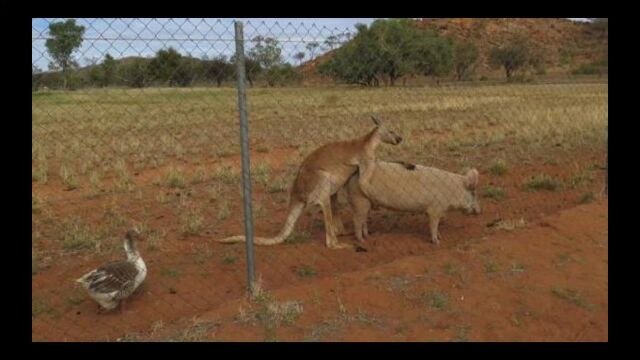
(198, 37)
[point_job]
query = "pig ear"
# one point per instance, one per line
(471, 179)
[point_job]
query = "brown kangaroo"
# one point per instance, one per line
(320, 176)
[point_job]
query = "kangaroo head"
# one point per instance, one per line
(386, 135)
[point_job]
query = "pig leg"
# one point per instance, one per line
(365, 230)
(433, 227)
(361, 212)
(357, 226)
(360, 207)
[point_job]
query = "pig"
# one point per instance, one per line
(408, 187)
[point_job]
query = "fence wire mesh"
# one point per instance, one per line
(137, 126)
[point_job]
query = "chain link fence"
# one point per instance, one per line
(135, 124)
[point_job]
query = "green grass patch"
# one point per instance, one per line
(174, 178)
(298, 237)
(492, 192)
(498, 168)
(572, 296)
(437, 299)
(542, 182)
(306, 271)
(76, 235)
(169, 272)
(587, 197)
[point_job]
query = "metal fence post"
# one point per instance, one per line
(606, 174)
(244, 144)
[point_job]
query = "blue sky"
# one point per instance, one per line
(198, 37)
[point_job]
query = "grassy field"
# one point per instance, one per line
(90, 131)
(167, 160)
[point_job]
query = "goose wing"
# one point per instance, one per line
(112, 277)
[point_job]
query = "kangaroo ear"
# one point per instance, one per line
(471, 179)
(375, 120)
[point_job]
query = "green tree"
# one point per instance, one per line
(464, 59)
(96, 76)
(394, 43)
(65, 38)
(601, 25)
(312, 47)
(218, 70)
(164, 65)
(355, 62)
(36, 77)
(281, 74)
(433, 55)
(299, 56)
(387, 51)
(184, 73)
(331, 42)
(109, 67)
(103, 74)
(253, 69)
(134, 72)
(517, 54)
(266, 51)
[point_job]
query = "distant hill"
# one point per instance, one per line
(564, 44)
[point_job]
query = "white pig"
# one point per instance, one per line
(407, 187)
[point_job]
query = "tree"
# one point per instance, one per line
(36, 77)
(164, 65)
(218, 70)
(465, 57)
(184, 73)
(135, 73)
(96, 76)
(601, 25)
(65, 38)
(299, 56)
(394, 41)
(102, 74)
(433, 56)
(252, 68)
(515, 55)
(266, 51)
(387, 51)
(354, 62)
(311, 47)
(281, 74)
(267, 54)
(331, 42)
(108, 69)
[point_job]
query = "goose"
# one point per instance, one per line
(113, 282)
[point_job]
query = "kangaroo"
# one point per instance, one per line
(321, 174)
(402, 186)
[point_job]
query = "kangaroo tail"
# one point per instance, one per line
(295, 209)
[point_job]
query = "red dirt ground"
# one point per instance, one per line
(390, 302)
(499, 285)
